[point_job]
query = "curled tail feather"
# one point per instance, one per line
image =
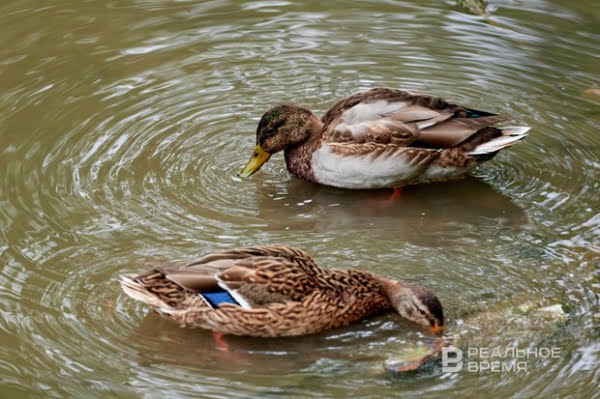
(138, 292)
(510, 136)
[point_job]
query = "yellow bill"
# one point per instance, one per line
(258, 158)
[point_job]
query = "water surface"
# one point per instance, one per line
(123, 124)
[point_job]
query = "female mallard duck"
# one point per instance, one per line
(381, 138)
(275, 291)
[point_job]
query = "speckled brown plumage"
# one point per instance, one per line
(283, 290)
(298, 160)
(378, 126)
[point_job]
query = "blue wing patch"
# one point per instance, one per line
(216, 298)
(473, 113)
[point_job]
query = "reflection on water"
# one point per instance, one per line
(123, 125)
(426, 214)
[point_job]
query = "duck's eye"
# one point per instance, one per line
(255, 155)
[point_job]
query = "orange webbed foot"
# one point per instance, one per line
(396, 194)
(220, 342)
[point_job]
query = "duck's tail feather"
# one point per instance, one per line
(510, 136)
(138, 292)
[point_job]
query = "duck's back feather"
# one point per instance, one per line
(391, 116)
(254, 276)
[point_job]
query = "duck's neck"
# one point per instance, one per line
(298, 157)
(388, 287)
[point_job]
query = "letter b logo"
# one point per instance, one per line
(451, 360)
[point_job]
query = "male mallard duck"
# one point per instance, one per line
(275, 291)
(381, 138)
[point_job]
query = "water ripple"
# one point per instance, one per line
(123, 144)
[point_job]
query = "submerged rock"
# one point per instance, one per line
(593, 90)
(555, 311)
(475, 6)
(415, 357)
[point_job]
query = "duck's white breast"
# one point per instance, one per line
(392, 169)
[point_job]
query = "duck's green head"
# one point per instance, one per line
(279, 128)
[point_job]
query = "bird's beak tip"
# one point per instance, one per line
(437, 329)
(258, 158)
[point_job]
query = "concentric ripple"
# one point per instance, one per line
(124, 124)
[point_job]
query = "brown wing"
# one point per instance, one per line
(256, 276)
(454, 131)
(296, 255)
(346, 297)
(263, 280)
(390, 116)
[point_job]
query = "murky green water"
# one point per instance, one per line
(123, 124)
